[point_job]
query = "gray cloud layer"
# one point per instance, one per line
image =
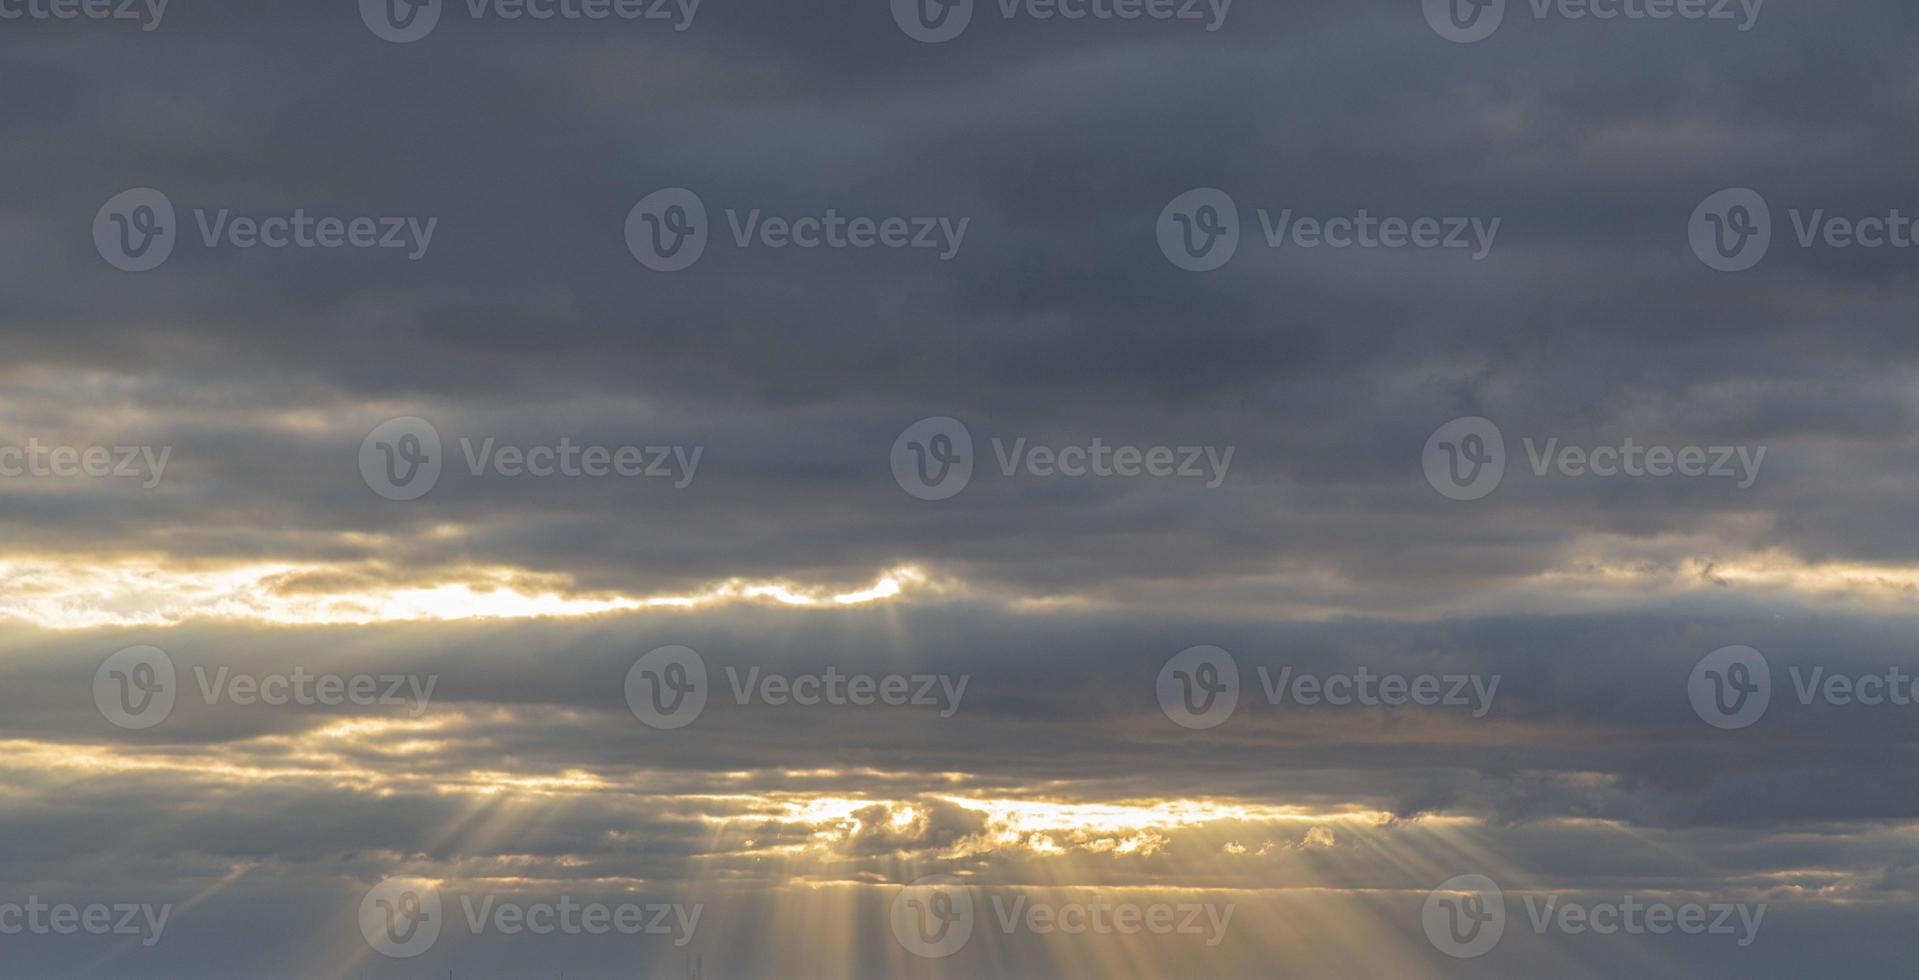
(1589, 322)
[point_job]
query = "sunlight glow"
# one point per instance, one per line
(70, 594)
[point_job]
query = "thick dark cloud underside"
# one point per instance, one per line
(1058, 321)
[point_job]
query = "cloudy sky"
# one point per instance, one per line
(740, 489)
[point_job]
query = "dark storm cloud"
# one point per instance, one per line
(1058, 321)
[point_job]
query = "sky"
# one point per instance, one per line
(961, 488)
